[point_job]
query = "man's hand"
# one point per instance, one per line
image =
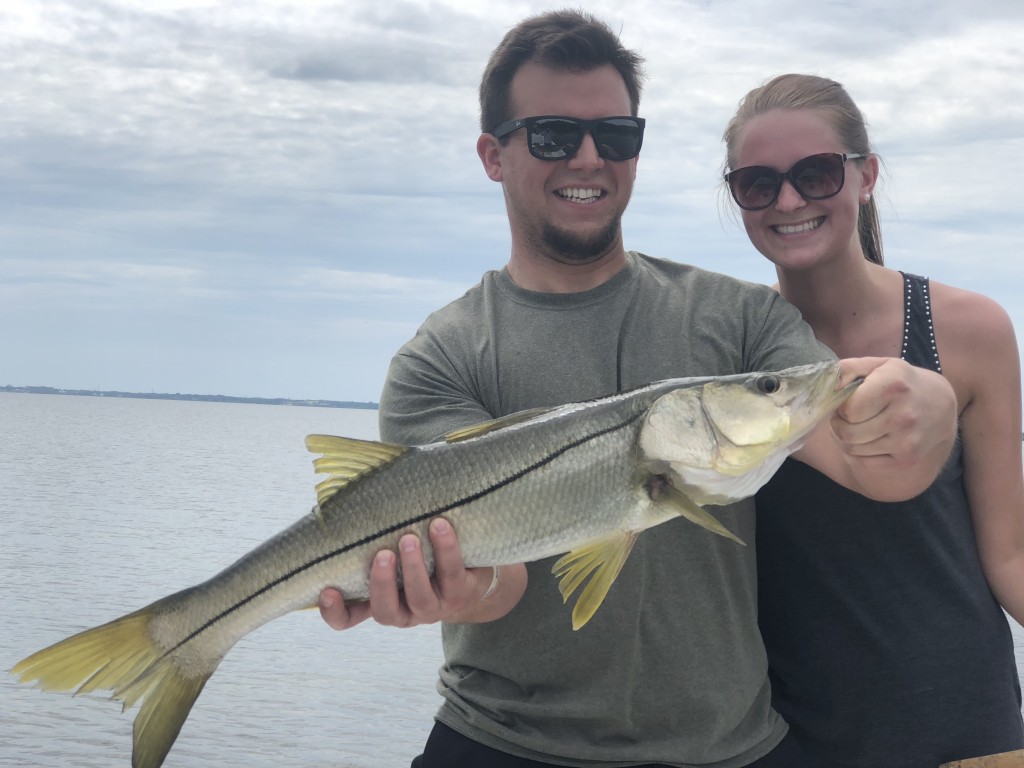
(901, 412)
(890, 439)
(454, 594)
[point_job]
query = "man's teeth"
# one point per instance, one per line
(579, 194)
(795, 229)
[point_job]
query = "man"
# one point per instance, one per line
(671, 670)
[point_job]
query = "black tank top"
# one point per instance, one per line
(886, 648)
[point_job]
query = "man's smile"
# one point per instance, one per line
(586, 195)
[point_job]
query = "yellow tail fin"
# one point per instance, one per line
(121, 657)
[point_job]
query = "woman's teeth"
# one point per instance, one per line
(796, 229)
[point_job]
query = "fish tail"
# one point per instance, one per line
(120, 656)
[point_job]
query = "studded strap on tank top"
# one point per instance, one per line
(918, 330)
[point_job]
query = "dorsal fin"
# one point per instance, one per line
(346, 459)
(485, 427)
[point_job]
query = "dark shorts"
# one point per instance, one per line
(447, 748)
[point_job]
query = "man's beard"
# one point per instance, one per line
(571, 248)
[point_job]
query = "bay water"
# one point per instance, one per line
(107, 504)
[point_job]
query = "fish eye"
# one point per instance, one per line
(768, 385)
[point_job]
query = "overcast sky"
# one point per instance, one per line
(261, 198)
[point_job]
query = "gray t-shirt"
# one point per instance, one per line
(671, 669)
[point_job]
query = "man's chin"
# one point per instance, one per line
(576, 248)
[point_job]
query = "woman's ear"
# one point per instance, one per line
(868, 177)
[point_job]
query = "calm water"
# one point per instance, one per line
(109, 504)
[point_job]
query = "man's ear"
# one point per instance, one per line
(489, 150)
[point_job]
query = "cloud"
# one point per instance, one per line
(374, 286)
(193, 182)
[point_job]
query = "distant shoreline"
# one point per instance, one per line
(202, 398)
(196, 398)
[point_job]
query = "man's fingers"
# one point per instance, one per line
(420, 596)
(337, 614)
(448, 566)
(875, 409)
(423, 597)
(385, 597)
(457, 586)
(851, 368)
(862, 435)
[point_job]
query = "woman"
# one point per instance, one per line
(886, 642)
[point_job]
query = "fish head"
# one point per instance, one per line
(722, 438)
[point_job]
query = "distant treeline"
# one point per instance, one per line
(201, 398)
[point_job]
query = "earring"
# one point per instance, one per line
(867, 197)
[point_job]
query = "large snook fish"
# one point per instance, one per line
(584, 479)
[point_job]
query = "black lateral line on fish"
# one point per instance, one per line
(398, 526)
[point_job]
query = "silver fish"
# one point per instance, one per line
(583, 479)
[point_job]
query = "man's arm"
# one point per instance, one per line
(890, 440)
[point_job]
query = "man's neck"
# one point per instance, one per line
(544, 275)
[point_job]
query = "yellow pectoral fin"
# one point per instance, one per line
(696, 513)
(601, 561)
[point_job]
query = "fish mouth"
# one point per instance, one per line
(840, 395)
(846, 391)
(798, 228)
(824, 396)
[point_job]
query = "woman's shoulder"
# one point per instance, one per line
(965, 313)
(976, 343)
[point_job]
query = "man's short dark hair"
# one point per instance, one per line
(567, 39)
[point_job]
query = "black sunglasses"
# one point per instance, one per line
(553, 137)
(817, 177)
